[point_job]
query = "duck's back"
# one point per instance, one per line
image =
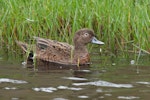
(53, 51)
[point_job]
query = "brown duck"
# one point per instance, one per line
(63, 53)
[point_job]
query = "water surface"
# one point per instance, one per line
(116, 79)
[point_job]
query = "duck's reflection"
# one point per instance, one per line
(44, 66)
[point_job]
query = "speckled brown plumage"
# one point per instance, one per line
(53, 51)
(64, 53)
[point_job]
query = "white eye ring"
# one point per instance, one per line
(86, 34)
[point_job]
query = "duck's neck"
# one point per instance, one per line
(80, 48)
(81, 54)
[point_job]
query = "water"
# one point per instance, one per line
(117, 79)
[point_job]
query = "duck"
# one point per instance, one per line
(61, 52)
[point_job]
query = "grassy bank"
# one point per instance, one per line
(119, 23)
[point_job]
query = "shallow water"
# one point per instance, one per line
(116, 79)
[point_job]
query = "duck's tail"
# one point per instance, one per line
(25, 48)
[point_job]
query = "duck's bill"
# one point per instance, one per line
(94, 40)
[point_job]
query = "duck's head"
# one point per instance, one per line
(85, 36)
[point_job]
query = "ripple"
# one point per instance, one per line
(83, 97)
(43, 89)
(10, 88)
(108, 94)
(104, 84)
(128, 97)
(60, 99)
(69, 88)
(145, 83)
(6, 80)
(75, 78)
(24, 63)
(84, 71)
(14, 98)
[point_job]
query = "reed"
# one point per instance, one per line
(119, 23)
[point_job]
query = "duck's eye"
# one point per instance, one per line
(86, 34)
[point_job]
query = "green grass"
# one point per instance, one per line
(119, 23)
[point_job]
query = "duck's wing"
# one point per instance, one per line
(53, 51)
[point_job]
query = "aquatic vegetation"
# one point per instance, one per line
(120, 23)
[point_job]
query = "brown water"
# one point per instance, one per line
(116, 79)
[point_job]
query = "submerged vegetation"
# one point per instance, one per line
(121, 24)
